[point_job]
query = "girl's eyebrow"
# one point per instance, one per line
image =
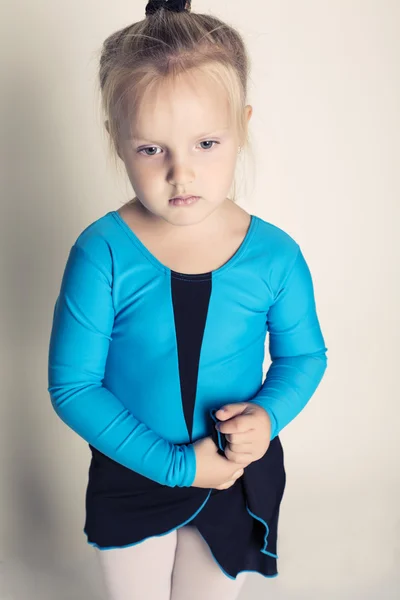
(138, 138)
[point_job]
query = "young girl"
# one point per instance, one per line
(159, 328)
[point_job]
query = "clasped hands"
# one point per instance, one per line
(247, 429)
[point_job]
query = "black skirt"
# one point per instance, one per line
(239, 524)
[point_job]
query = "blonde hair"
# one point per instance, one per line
(165, 45)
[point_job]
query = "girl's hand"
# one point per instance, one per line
(212, 469)
(247, 428)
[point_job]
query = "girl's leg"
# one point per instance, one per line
(196, 574)
(139, 572)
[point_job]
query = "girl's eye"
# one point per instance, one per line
(209, 142)
(149, 148)
(143, 150)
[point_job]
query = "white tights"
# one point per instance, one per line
(175, 566)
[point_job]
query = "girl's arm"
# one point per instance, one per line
(79, 343)
(296, 347)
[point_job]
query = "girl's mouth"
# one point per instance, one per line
(184, 202)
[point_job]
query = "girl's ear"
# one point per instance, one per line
(248, 111)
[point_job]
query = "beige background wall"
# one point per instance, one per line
(326, 96)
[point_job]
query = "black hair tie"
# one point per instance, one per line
(172, 5)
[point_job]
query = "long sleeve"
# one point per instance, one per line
(80, 338)
(296, 347)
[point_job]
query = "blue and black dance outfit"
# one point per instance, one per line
(140, 359)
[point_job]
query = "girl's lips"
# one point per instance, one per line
(184, 202)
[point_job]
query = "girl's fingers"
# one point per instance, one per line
(241, 437)
(229, 483)
(240, 459)
(240, 448)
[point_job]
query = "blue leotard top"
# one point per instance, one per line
(140, 355)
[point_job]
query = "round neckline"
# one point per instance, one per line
(160, 266)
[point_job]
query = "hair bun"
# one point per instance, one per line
(172, 5)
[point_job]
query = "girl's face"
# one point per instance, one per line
(181, 143)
